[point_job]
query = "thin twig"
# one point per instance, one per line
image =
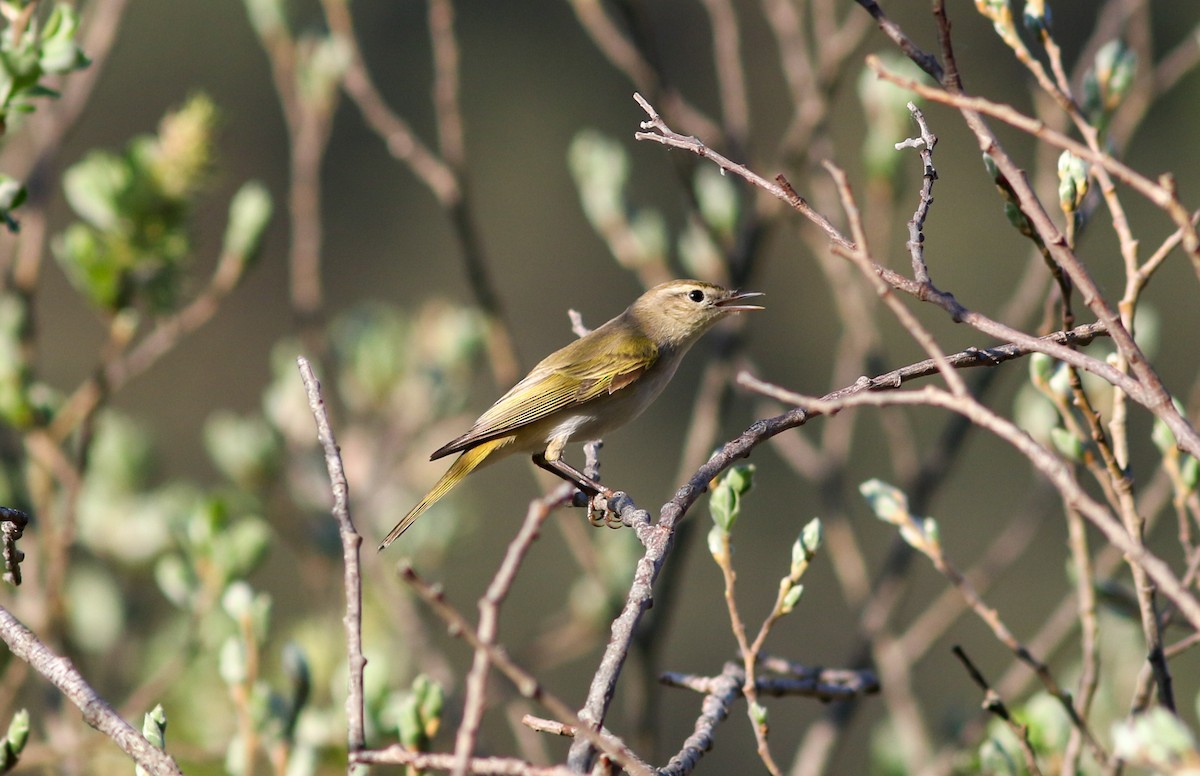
(657, 539)
(96, 711)
(1044, 461)
(443, 176)
(1144, 386)
(526, 683)
(439, 761)
(993, 703)
(489, 621)
(162, 339)
(351, 546)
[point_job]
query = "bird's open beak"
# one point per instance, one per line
(731, 302)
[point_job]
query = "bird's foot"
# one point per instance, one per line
(599, 514)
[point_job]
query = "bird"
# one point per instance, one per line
(593, 385)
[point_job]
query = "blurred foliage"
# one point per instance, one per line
(154, 728)
(132, 238)
(14, 740)
(30, 51)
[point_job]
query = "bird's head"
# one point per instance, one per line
(676, 313)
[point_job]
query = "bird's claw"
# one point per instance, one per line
(598, 513)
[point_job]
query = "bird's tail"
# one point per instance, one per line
(464, 465)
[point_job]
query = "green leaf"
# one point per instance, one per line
(718, 543)
(1068, 445)
(14, 741)
(1041, 368)
(1161, 434)
(296, 668)
(1108, 82)
(231, 661)
(431, 700)
(600, 167)
(249, 214)
(889, 502)
(1189, 472)
(717, 199)
(1072, 181)
(1155, 739)
(266, 16)
(242, 547)
(888, 119)
(791, 598)
(95, 188)
(12, 195)
(246, 450)
(725, 504)
(1037, 17)
(649, 231)
(933, 533)
(176, 580)
(154, 728)
(810, 539)
(59, 51)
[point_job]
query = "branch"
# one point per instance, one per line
(525, 682)
(1144, 387)
(489, 620)
(96, 711)
(993, 703)
(351, 543)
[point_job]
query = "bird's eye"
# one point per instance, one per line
(696, 295)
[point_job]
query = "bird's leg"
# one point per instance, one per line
(552, 461)
(566, 471)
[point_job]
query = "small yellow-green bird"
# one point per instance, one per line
(597, 383)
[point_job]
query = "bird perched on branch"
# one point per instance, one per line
(597, 383)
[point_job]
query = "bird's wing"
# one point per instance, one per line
(567, 378)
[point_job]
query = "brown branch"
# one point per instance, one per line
(526, 683)
(723, 690)
(443, 176)
(993, 703)
(163, 338)
(1045, 462)
(96, 711)
(1147, 389)
(657, 538)
(488, 629)
(351, 545)
(439, 761)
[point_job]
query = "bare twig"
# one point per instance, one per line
(351, 544)
(722, 690)
(1144, 386)
(96, 711)
(162, 339)
(439, 761)
(657, 538)
(526, 683)
(1050, 466)
(443, 176)
(993, 703)
(489, 621)
(964, 359)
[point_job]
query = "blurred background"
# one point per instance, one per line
(532, 82)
